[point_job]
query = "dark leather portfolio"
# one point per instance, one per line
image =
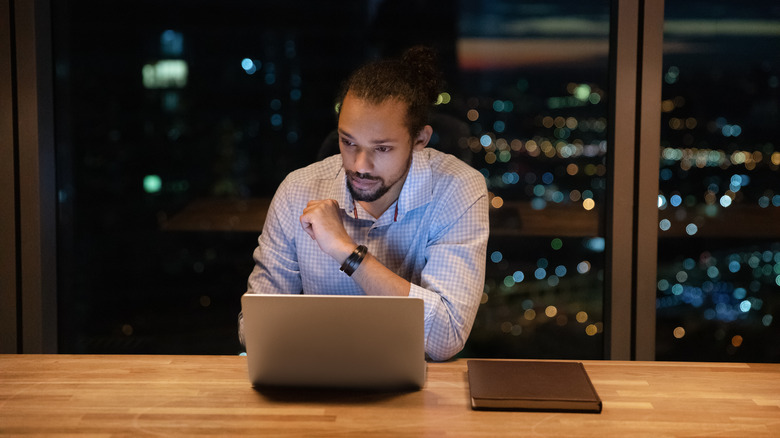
(531, 386)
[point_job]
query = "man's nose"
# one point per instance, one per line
(364, 162)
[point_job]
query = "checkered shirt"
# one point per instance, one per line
(437, 241)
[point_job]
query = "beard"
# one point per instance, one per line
(366, 195)
(377, 192)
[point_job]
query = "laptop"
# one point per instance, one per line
(334, 341)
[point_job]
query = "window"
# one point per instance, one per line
(719, 200)
(532, 87)
(176, 122)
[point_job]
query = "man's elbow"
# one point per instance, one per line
(441, 353)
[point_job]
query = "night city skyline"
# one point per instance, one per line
(250, 102)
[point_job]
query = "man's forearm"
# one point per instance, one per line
(376, 279)
(448, 322)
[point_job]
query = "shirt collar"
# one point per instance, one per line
(339, 192)
(418, 187)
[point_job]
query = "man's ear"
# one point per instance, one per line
(423, 137)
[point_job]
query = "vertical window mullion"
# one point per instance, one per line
(647, 168)
(37, 187)
(620, 208)
(8, 186)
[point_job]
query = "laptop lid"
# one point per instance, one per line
(335, 341)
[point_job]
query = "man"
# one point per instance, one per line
(386, 216)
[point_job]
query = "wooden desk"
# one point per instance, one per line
(197, 395)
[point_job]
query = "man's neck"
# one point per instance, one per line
(379, 207)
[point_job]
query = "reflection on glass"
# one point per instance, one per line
(719, 247)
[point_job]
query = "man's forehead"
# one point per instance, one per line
(376, 137)
(357, 115)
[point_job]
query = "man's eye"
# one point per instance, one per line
(346, 142)
(382, 149)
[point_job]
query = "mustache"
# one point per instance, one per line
(367, 176)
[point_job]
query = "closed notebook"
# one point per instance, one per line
(531, 386)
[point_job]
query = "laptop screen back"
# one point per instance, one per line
(335, 341)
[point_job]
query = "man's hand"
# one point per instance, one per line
(322, 221)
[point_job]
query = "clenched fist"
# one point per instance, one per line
(323, 221)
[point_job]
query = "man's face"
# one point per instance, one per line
(376, 149)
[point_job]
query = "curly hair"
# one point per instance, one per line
(413, 79)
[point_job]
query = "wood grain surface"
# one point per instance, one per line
(88, 395)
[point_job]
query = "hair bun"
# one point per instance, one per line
(414, 79)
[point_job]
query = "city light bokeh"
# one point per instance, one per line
(719, 178)
(175, 125)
